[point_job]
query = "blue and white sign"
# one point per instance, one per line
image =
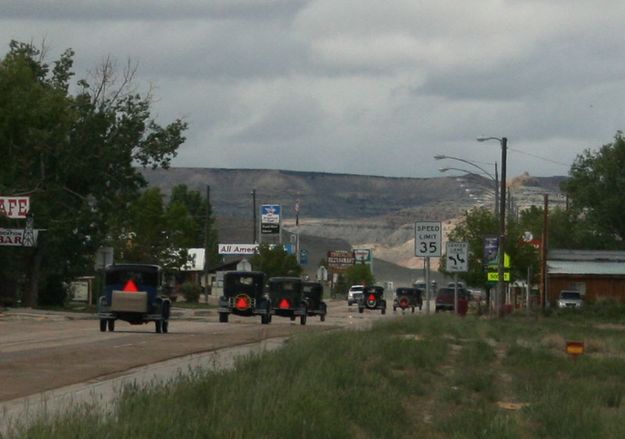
(270, 219)
(303, 257)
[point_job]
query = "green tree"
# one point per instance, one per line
(596, 190)
(201, 211)
(275, 261)
(341, 287)
(480, 223)
(474, 227)
(75, 155)
(359, 274)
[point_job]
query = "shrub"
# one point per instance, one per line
(191, 292)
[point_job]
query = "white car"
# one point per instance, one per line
(570, 299)
(355, 292)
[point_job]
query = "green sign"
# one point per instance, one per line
(493, 276)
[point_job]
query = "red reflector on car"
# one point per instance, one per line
(242, 303)
(284, 304)
(371, 298)
(130, 287)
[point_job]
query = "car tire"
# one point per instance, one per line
(292, 318)
(361, 310)
(383, 310)
(302, 319)
(157, 326)
(102, 325)
(111, 325)
(223, 317)
(165, 326)
(413, 309)
(264, 319)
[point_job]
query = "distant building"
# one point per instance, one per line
(596, 274)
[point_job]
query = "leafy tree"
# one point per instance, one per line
(475, 226)
(200, 211)
(596, 189)
(341, 286)
(75, 155)
(480, 223)
(275, 261)
(359, 274)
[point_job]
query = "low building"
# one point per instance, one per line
(596, 274)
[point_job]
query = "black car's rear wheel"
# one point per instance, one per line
(265, 319)
(157, 326)
(111, 325)
(102, 325)
(165, 326)
(223, 317)
(302, 319)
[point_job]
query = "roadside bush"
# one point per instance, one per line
(54, 292)
(191, 292)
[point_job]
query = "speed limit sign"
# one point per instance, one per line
(427, 240)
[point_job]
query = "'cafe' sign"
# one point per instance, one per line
(14, 207)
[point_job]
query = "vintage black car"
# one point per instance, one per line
(132, 292)
(372, 298)
(287, 298)
(407, 298)
(244, 295)
(313, 292)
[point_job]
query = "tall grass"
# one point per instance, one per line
(437, 377)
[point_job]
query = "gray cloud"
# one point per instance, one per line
(150, 10)
(358, 86)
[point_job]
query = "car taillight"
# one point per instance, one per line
(371, 299)
(130, 287)
(403, 302)
(242, 302)
(284, 304)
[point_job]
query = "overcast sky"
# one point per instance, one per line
(358, 86)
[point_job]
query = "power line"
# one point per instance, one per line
(539, 157)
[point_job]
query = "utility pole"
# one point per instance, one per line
(502, 229)
(206, 240)
(254, 215)
(543, 252)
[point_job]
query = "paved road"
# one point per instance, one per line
(44, 351)
(50, 360)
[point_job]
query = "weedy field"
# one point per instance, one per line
(438, 376)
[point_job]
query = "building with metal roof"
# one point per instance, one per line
(596, 274)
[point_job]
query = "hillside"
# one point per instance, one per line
(342, 210)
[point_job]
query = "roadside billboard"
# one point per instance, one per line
(270, 219)
(14, 207)
(17, 238)
(340, 260)
(363, 256)
(237, 249)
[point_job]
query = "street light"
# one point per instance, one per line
(503, 141)
(494, 178)
(466, 171)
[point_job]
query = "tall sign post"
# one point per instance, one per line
(427, 244)
(457, 262)
(270, 220)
